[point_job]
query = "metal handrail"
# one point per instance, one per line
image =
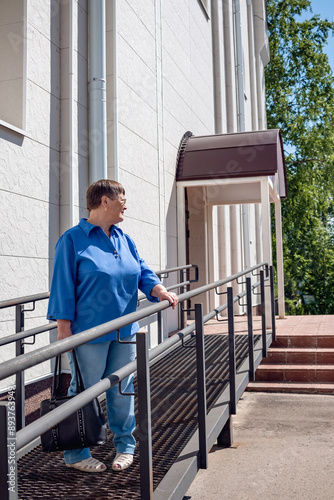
(24, 300)
(42, 354)
(142, 296)
(173, 269)
(12, 366)
(49, 326)
(44, 423)
(27, 333)
(22, 334)
(42, 296)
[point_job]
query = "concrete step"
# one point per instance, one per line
(306, 373)
(302, 355)
(320, 340)
(301, 387)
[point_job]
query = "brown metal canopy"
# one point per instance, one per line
(242, 154)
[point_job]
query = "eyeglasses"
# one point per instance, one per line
(123, 202)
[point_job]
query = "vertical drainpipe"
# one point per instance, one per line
(70, 111)
(229, 57)
(231, 114)
(97, 91)
(240, 67)
(255, 121)
(115, 85)
(218, 62)
(241, 123)
(220, 114)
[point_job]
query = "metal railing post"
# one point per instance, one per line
(201, 387)
(272, 295)
(263, 315)
(181, 304)
(250, 328)
(19, 349)
(159, 317)
(266, 267)
(231, 344)
(8, 464)
(144, 417)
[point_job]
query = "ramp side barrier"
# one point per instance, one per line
(10, 441)
(19, 337)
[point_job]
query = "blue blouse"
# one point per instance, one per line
(96, 279)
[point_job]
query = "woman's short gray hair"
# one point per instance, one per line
(103, 187)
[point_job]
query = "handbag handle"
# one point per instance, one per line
(56, 378)
(78, 378)
(57, 375)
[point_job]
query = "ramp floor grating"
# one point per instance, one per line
(174, 420)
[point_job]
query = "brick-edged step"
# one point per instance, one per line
(310, 373)
(301, 387)
(301, 359)
(298, 361)
(304, 340)
(300, 355)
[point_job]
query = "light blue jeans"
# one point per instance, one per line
(97, 361)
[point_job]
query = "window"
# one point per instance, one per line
(12, 62)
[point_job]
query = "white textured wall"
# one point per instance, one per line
(29, 187)
(164, 88)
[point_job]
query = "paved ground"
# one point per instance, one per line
(283, 449)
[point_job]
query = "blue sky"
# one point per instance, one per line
(325, 8)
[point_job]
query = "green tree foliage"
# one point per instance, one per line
(300, 101)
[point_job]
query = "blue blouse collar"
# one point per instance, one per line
(87, 227)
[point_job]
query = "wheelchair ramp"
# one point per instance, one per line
(174, 421)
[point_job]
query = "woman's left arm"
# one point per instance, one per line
(161, 293)
(150, 284)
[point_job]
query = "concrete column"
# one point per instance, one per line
(224, 246)
(259, 257)
(210, 253)
(279, 253)
(266, 239)
(223, 239)
(236, 248)
(266, 221)
(181, 226)
(208, 248)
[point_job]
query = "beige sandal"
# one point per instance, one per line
(122, 461)
(89, 465)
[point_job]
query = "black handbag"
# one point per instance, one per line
(84, 428)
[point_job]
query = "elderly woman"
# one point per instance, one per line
(97, 274)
